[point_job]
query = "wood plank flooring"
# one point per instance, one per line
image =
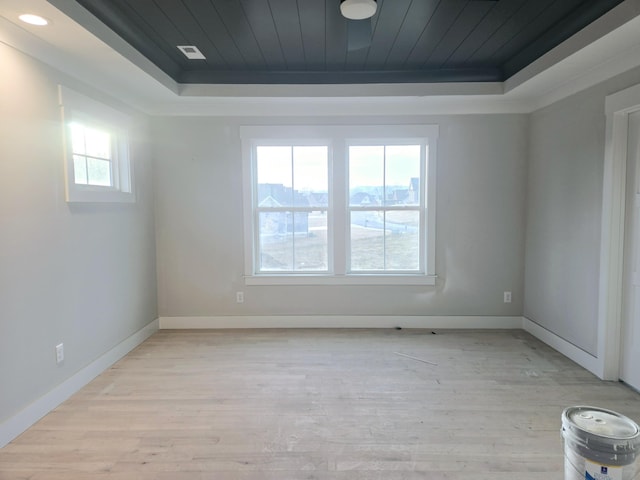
(318, 404)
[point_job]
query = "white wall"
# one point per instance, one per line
(480, 224)
(84, 274)
(564, 209)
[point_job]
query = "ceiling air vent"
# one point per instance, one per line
(191, 52)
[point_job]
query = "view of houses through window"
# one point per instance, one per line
(384, 206)
(384, 213)
(292, 204)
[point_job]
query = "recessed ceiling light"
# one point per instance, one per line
(34, 19)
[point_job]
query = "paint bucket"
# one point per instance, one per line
(600, 445)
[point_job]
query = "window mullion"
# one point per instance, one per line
(293, 215)
(384, 211)
(384, 239)
(257, 248)
(339, 207)
(113, 163)
(422, 191)
(86, 156)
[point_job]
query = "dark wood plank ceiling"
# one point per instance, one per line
(306, 41)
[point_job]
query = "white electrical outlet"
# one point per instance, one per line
(507, 297)
(239, 297)
(60, 353)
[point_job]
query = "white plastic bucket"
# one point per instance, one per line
(600, 445)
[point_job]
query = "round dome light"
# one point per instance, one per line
(358, 9)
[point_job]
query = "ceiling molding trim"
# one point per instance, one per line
(586, 68)
(603, 72)
(88, 21)
(582, 18)
(293, 77)
(113, 85)
(350, 90)
(594, 33)
(341, 106)
(26, 42)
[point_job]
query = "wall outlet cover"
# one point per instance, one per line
(60, 353)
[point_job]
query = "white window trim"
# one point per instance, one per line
(80, 108)
(422, 209)
(350, 279)
(339, 137)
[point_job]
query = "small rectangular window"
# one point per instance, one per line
(92, 156)
(97, 164)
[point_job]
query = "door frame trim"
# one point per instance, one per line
(618, 107)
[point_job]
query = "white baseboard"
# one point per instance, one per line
(582, 358)
(15, 425)
(339, 321)
(18, 423)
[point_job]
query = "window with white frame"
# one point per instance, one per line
(291, 208)
(339, 204)
(385, 206)
(96, 150)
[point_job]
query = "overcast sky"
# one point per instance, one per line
(311, 171)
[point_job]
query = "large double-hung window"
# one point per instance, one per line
(339, 204)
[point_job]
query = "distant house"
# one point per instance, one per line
(364, 199)
(392, 195)
(397, 196)
(278, 223)
(269, 201)
(405, 196)
(281, 196)
(414, 191)
(320, 199)
(274, 192)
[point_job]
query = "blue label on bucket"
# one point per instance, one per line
(597, 471)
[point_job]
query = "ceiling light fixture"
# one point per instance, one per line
(358, 9)
(32, 19)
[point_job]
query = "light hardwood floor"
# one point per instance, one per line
(318, 404)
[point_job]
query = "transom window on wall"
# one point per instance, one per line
(339, 204)
(96, 150)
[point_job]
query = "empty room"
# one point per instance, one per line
(319, 239)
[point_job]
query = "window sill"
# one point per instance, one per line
(386, 280)
(89, 194)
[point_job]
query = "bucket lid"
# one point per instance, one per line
(601, 422)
